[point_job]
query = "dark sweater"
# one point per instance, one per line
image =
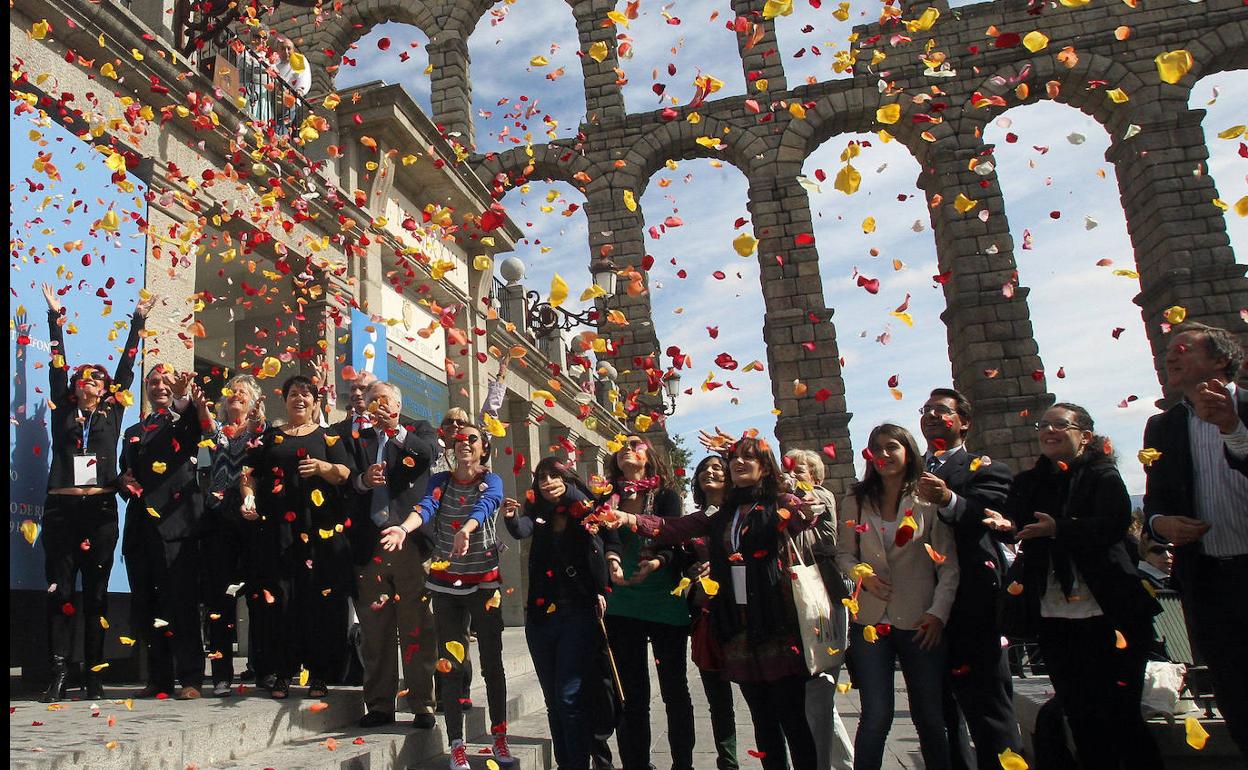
(566, 568)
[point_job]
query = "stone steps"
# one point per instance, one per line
(252, 730)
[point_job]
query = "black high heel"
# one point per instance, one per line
(60, 678)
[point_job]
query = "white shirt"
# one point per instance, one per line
(300, 81)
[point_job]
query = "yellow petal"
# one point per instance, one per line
(539, 61)
(593, 292)
(1117, 95)
(456, 650)
(1035, 41)
(152, 512)
(303, 677)
(847, 180)
(774, 8)
(482, 262)
(159, 467)
(1148, 456)
(558, 290)
(598, 51)
(870, 634)
(1173, 65)
(964, 204)
(630, 202)
(643, 422)
(297, 62)
(1234, 132)
(744, 244)
(1175, 314)
(868, 225)
(30, 531)
(1241, 206)
(711, 587)
(1011, 761)
(39, 30)
(127, 641)
(318, 498)
(1197, 736)
(889, 113)
(99, 667)
(618, 18)
(681, 586)
(797, 110)
(494, 426)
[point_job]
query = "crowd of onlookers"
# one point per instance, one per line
(930, 562)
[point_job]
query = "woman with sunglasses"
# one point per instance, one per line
(642, 612)
(459, 512)
(289, 484)
(904, 558)
(1093, 616)
(81, 506)
(567, 595)
(751, 603)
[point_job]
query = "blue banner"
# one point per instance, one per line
(60, 190)
(424, 398)
(368, 344)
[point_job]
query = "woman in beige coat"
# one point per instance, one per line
(903, 556)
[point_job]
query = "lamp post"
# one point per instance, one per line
(671, 389)
(545, 318)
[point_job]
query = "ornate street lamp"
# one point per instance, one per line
(671, 389)
(544, 318)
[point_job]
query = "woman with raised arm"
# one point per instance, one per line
(289, 484)
(752, 609)
(230, 541)
(567, 595)
(460, 511)
(1093, 615)
(80, 526)
(905, 559)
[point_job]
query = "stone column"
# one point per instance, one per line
(523, 435)
(797, 328)
(762, 60)
(451, 88)
(604, 100)
(1182, 251)
(987, 331)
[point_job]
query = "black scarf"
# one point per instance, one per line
(769, 610)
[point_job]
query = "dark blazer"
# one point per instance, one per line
(980, 559)
(171, 438)
(1093, 512)
(407, 476)
(1168, 490)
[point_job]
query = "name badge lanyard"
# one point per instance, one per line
(86, 428)
(738, 523)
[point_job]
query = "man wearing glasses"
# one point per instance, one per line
(978, 693)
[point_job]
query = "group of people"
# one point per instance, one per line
(400, 522)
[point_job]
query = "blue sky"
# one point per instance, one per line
(1052, 167)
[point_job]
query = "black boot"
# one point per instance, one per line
(94, 685)
(60, 676)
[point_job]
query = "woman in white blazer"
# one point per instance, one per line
(904, 557)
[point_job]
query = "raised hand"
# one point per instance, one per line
(54, 303)
(510, 506)
(1215, 405)
(145, 306)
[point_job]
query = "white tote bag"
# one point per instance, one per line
(814, 613)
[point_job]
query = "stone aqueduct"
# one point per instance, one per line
(1158, 152)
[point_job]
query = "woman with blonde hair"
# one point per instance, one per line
(229, 540)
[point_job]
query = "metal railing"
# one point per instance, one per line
(270, 101)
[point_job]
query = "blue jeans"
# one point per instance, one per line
(563, 644)
(924, 672)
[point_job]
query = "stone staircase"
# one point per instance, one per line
(254, 731)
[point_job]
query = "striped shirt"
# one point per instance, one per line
(447, 508)
(1219, 491)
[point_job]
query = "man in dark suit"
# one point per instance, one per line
(963, 484)
(160, 542)
(390, 585)
(1196, 500)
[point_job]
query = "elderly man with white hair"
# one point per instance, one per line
(833, 747)
(390, 585)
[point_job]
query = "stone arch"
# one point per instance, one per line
(555, 162)
(1036, 72)
(677, 140)
(340, 31)
(848, 109)
(1221, 50)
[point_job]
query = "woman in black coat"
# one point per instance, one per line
(1092, 614)
(567, 596)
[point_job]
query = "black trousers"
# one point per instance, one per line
(1099, 686)
(978, 695)
(164, 588)
(630, 640)
(723, 718)
(229, 558)
(778, 710)
(1217, 620)
(79, 535)
(452, 616)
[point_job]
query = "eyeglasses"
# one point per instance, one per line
(467, 438)
(1056, 425)
(940, 410)
(635, 445)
